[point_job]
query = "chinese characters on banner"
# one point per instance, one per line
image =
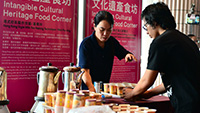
(33, 33)
(127, 30)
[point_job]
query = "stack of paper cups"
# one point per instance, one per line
(60, 100)
(68, 101)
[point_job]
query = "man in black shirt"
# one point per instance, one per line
(175, 57)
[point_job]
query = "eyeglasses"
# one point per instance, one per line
(144, 27)
(197, 41)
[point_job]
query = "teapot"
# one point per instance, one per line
(47, 79)
(3, 84)
(72, 77)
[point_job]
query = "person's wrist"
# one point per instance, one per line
(146, 95)
(91, 87)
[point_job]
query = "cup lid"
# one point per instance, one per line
(49, 68)
(71, 92)
(84, 91)
(61, 91)
(79, 94)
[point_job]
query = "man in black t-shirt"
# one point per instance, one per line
(175, 57)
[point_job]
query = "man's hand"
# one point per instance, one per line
(129, 57)
(129, 96)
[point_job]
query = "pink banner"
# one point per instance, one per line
(33, 33)
(127, 30)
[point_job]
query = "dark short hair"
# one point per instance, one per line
(159, 14)
(190, 35)
(103, 15)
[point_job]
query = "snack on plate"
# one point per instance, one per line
(124, 106)
(127, 108)
(133, 106)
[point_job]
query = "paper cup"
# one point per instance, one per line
(90, 102)
(97, 95)
(99, 102)
(60, 98)
(120, 89)
(106, 88)
(46, 110)
(113, 88)
(48, 99)
(53, 99)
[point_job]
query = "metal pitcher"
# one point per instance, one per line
(47, 79)
(72, 77)
(3, 84)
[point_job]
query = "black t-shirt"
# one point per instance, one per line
(100, 60)
(177, 58)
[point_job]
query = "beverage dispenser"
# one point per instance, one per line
(72, 77)
(47, 80)
(3, 92)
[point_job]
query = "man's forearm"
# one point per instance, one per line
(88, 80)
(155, 91)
